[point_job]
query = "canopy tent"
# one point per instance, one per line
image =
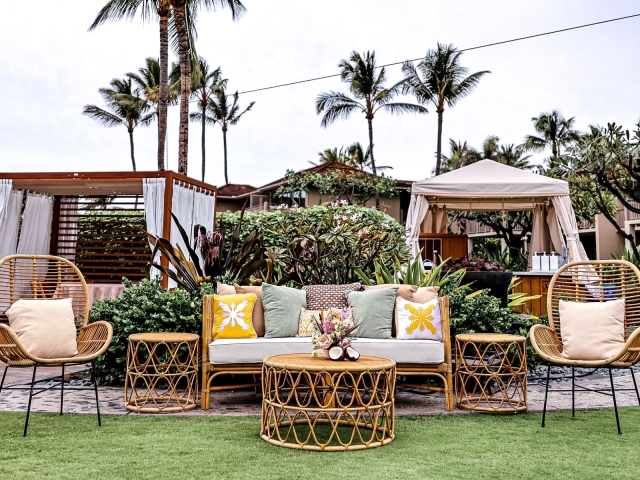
(491, 186)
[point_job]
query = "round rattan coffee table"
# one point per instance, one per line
(491, 372)
(162, 372)
(318, 404)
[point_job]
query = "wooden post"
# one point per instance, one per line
(166, 227)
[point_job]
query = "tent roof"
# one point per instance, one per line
(489, 179)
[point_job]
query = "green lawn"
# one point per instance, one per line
(448, 446)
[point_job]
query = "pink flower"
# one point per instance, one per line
(324, 341)
(328, 326)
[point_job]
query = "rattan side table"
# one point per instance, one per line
(162, 372)
(491, 372)
(318, 404)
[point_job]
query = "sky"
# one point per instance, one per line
(51, 66)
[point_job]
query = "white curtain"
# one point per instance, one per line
(418, 209)
(153, 192)
(11, 224)
(35, 234)
(182, 208)
(5, 193)
(567, 218)
(68, 228)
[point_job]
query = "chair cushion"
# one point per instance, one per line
(258, 309)
(321, 297)
(46, 328)
(418, 321)
(282, 307)
(373, 312)
(254, 350)
(593, 330)
(233, 316)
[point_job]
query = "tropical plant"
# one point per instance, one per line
(124, 107)
(517, 299)
(514, 260)
(553, 131)
(478, 313)
(224, 112)
(205, 84)
(461, 155)
(440, 79)
(627, 255)
(353, 155)
(367, 94)
(147, 84)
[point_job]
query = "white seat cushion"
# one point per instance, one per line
(253, 350)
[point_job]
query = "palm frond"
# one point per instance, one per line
(104, 118)
(116, 10)
(400, 108)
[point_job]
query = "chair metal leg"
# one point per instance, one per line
(635, 385)
(573, 391)
(546, 392)
(62, 390)
(615, 404)
(33, 381)
(3, 377)
(94, 379)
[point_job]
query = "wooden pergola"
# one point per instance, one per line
(119, 248)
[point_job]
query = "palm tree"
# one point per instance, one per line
(353, 155)
(182, 8)
(225, 113)
(439, 78)
(461, 155)
(123, 108)
(513, 156)
(331, 155)
(147, 83)
(368, 95)
(205, 84)
(554, 132)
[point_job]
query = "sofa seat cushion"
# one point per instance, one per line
(253, 350)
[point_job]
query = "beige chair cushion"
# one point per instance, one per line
(425, 294)
(258, 310)
(405, 292)
(46, 328)
(591, 331)
(224, 289)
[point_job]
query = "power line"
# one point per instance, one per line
(460, 50)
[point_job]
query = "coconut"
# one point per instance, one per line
(336, 353)
(351, 354)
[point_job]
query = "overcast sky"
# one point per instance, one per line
(51, 67)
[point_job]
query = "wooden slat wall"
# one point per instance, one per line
(110, 244)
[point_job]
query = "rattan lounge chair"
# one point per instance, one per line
(48, 277)
(592, 281)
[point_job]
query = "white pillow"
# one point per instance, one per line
(418, 321)
(46, 328)
(593, 330)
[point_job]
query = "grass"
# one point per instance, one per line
(442, 447)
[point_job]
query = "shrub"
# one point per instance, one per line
(144, 307)
(478, 313)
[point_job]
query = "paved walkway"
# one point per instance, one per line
(247, 402)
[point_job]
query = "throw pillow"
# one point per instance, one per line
(233, 315)
(591, 331)
(425, 294)
(224, 289)
(320, 297)
(404, 291)
(258, 310)
(282, 307)
(46, 328)
(418, 321)
(308, 317)
(373, 311)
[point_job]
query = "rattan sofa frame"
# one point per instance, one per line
(40, 277)
(211, 371)
(591, 281)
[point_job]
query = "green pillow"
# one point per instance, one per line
(373, 311)
(282, 307)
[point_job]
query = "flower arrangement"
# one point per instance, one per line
(331, 338)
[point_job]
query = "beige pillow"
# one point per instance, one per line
(224, 289)
(425, 294)
(46, 328)
(258, 309)
(591, 331)
(405, 292)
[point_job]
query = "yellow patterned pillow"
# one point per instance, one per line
(232, 316)
(418, 321)
(305, 326)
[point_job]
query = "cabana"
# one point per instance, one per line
(94, 219)
(492, 186)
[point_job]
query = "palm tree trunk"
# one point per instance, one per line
(163, 100)
(224, 141)
(373, 162)
(133, 158)
(185, 82)
(439, 150)
(204, 124)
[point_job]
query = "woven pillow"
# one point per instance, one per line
(418, 321)
(321, 297)
(258, 310)
(46, 328)
(593, 330)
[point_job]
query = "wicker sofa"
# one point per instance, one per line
(244, 356)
